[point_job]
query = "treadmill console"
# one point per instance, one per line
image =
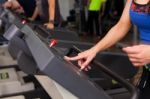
(51, 62)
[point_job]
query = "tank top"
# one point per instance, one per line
(140, 16)
(95, 5)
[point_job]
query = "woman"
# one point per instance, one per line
(94, 7)
(135, 12)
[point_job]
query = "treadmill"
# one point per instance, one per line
(116, 61)
(22, 48)
(43, 59)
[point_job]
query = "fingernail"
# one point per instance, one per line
(82, 68)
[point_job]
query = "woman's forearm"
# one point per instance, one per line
(115, 34)
(51, 9)
(35, 14)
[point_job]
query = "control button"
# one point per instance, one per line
(53, 42)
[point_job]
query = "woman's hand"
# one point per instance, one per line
(49, 25)
(31, 19)
(7, 4)
(83, 58)
(139, 55)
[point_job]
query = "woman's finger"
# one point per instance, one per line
(131, 50)
(86, 63)
(73, 58)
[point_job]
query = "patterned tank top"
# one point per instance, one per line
(140, 16)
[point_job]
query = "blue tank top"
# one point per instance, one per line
(140, 16)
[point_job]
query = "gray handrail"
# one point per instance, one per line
(133, 90)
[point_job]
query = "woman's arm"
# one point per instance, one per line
(117, 32)
(35, 14)
(12, 4)
(114, 35)
(51, 10)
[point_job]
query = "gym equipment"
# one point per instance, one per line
(11, 82)
(86, 86)
(16, 84)
(9, 17)
(33, 56)
(6, 18)
(115, 59)
(57, 33)
(50, 61)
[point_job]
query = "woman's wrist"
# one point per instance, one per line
(51, 21)
(95, 49)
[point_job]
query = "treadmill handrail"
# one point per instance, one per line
(41, 28)
(133, 90)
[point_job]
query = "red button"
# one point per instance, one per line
(53, 42)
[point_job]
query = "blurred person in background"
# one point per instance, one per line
(49, 13)
(93, 20)
(28, 7)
